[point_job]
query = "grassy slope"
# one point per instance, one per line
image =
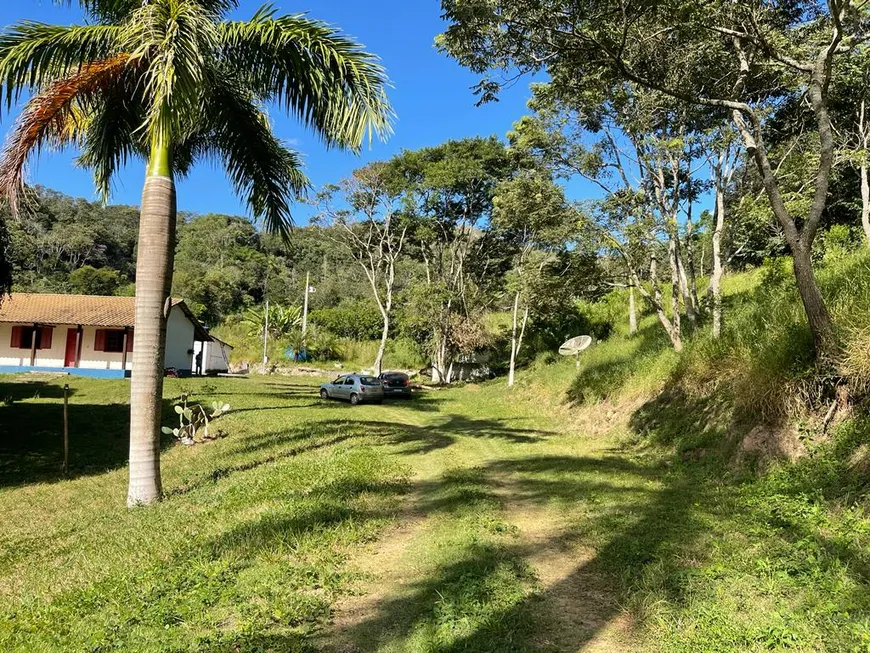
(742, 556)
(596, 508)
(250, 549)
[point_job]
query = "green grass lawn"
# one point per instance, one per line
(470, 519)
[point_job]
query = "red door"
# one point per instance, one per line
(69, 358)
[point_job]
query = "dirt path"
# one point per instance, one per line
(576, 609)
(573, 606)
(386, 573)
(577, 602)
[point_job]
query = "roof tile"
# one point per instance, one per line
(86, 310)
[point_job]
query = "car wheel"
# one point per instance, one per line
(324, 395)
(354, 399)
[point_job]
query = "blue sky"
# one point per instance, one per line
(431, 97)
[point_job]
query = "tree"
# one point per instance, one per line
(219, 266)
(740, 59)
(171, 82)
(276, 321)
(851, 110)
(632, 147)
(5, 261)
(531, 208)
(88, 280)
(364, 213)
(447, 194)
(723, 161)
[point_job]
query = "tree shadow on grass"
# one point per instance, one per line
(265, 576)
(418, 403)
(11, 392)
(31, 435)
(484, 597)
(267, 448)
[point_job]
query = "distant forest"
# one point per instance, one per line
(223, 264)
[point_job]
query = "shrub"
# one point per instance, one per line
(359, 320)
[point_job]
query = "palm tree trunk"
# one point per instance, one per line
(153, 282)
(632, 310)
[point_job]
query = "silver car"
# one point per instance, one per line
(355, 388)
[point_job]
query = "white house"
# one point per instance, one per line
(86, 335)
(215, 355)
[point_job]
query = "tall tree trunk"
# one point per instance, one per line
(685, 290)
(514, 341)
(865, 201)
(718, 268)
(864, 134)
(690, 266)
(675, 288)
(439, 363)
(655, 300)
(156, 252)
(382, 348)
(385, 307)
(523, 330)
(801, 239)
(820, 322)
(632, 311)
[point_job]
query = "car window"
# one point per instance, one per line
(369, 380)
(338, 381)
(349, 381)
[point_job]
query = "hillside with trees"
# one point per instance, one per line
(688, 185)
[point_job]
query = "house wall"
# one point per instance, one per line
(99, 360)
(219, 355)
(214, 358)
(179, 340)
(54, 357)
(44, 357)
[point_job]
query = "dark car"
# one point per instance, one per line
(356, 388)
(396, 384)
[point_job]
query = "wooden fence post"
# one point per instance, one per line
(66, 430)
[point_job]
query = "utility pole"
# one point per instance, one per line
(305, 306)
(266, 337)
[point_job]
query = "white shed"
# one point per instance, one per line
(215, 356)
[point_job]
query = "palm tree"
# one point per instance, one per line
(172, 82)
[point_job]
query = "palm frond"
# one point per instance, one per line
(266, 173)
(113, 11)
(186, 152)
(49, 119)
(112, 135)
(33, 55)
(178, 39)
(326, 79)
